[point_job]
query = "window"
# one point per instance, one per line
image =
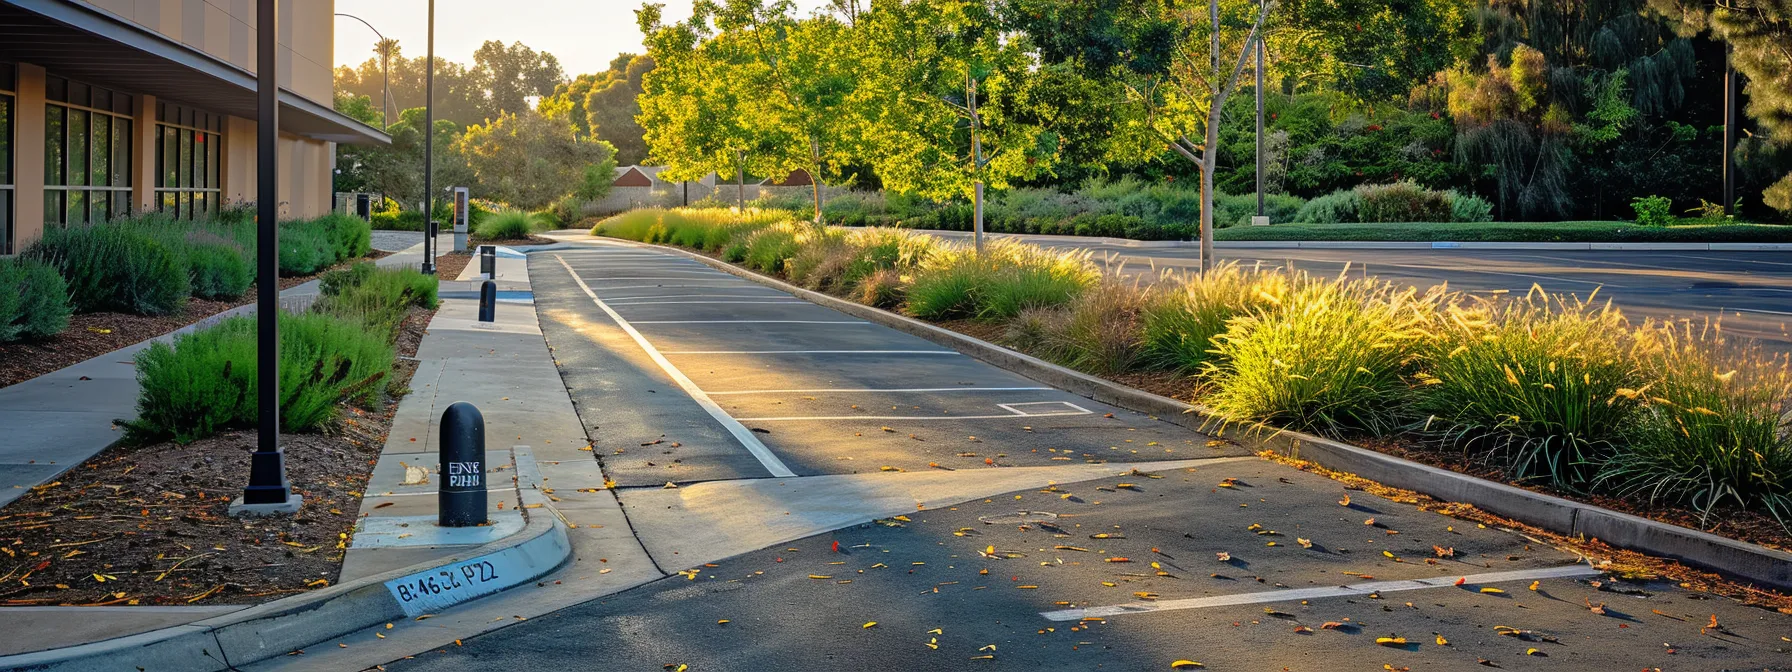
(87, 153)
(189, 148)
(6, 178)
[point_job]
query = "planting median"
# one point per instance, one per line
(1551, 393)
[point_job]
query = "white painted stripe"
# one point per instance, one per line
(914, 417)
(696, 296)
(812, 352)
(1754, 310)
(719, 276)
(679, 303)
(1317, 593)
(740, 432)
(752, 322)
(891, 390)
(728, 286)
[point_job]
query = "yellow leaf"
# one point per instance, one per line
(1304, 543)
(1534, 584)
(1493, 591)
(1532, 652)
(1391, 641)
(820, 576)
(868, 625)
(722, 622)
(1441, 641)
(1186, 665)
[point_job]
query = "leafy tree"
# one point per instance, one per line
(691, 116)
(610, 110)
(1759, 32)
(805, 71)
(511, 74)
(940, 97)
(530, 161)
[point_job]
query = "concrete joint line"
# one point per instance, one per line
(740, 432)
(1750, 562)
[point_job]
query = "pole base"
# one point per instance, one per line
(291, 506)
(1259, 220)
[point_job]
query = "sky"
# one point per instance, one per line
(583, 34)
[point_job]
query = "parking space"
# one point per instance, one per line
(687, 374)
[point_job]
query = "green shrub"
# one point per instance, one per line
(1024, 276)
(1469, 208)
(304, 248)
(205, 382)
(380, 297)
(1338, 207)
(1531, 385)
(508, 225)
(33, 300)
(1403, 201)
(945, 286)
(1713, 426)
(1653, 210)
(768, 248)
(883, 289)
(1181, 317)
(1330, 357)
(116, 268)
(220, 269)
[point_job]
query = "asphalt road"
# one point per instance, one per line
(1750, 291)
(690, 376)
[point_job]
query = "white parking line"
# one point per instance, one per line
(612, 300)
(891, 390)
(676, 303)
(812, 352)
(727, 286)
(1012, 413)
(719, 277)
(752, 322)
(1316, 593)
(740, 432)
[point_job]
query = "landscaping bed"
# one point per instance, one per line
(1671, 421)
(148, 524)
(90, 335)
(1512, 232)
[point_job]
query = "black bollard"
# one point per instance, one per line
(488, 301)
(488, 260)
(430, 229)
(461, 501)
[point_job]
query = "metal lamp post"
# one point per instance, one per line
(429, 146)
(385, 71)
(268, 491)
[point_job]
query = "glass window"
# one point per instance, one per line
(87, 153)
(187, 160)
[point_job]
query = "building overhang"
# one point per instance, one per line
(78, 41)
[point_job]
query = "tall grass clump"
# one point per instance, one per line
(1713, 428)
(379, 297)
(508, 224)
(116, 268)
(1531, 385)
(33, 300)
(768, 249)
(1182, 315)
(1026, 276)
(1100, 332)
(945, 285)
(204, 383)
(1329, 357)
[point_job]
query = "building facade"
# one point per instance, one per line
(114, 107)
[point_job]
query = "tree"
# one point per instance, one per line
(1759, 33)
(530, 161)
(691, 116)
(510, 75)
(939, 101)
(806, 72)
(610, 110)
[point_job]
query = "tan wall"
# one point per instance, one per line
(28, 157)
(225, 29)
(306, 168)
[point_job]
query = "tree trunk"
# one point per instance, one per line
(976, 168)
(1206, 215)
(740, 183)
(815, 176)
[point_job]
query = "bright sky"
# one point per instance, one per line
(583, 34)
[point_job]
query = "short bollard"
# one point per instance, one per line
(488, 301)
(461, 501)
(488, 260)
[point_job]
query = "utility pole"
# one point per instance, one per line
(740, 181)
(268, 491)
(429, 146)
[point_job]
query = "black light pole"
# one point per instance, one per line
(1729, 133)
(429, 147)
(1259, 124)
(385, 71)
(268, 491)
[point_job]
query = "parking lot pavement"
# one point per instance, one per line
(685, 374)
(1239, 565)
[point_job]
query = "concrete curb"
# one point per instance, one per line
(1380, 244)
(282, 626)
(1762, 565)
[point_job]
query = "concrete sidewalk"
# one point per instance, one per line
(533, 435)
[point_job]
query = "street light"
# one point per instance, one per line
(385, 71)
(268, 491)
(429, 146)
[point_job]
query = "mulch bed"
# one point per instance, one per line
(513, 242)
(450, 265)
(90, 335)
(148, 525)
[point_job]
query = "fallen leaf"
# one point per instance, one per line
(1186, 665)
(1490, 590)
(1391, 641)
(868, 625)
